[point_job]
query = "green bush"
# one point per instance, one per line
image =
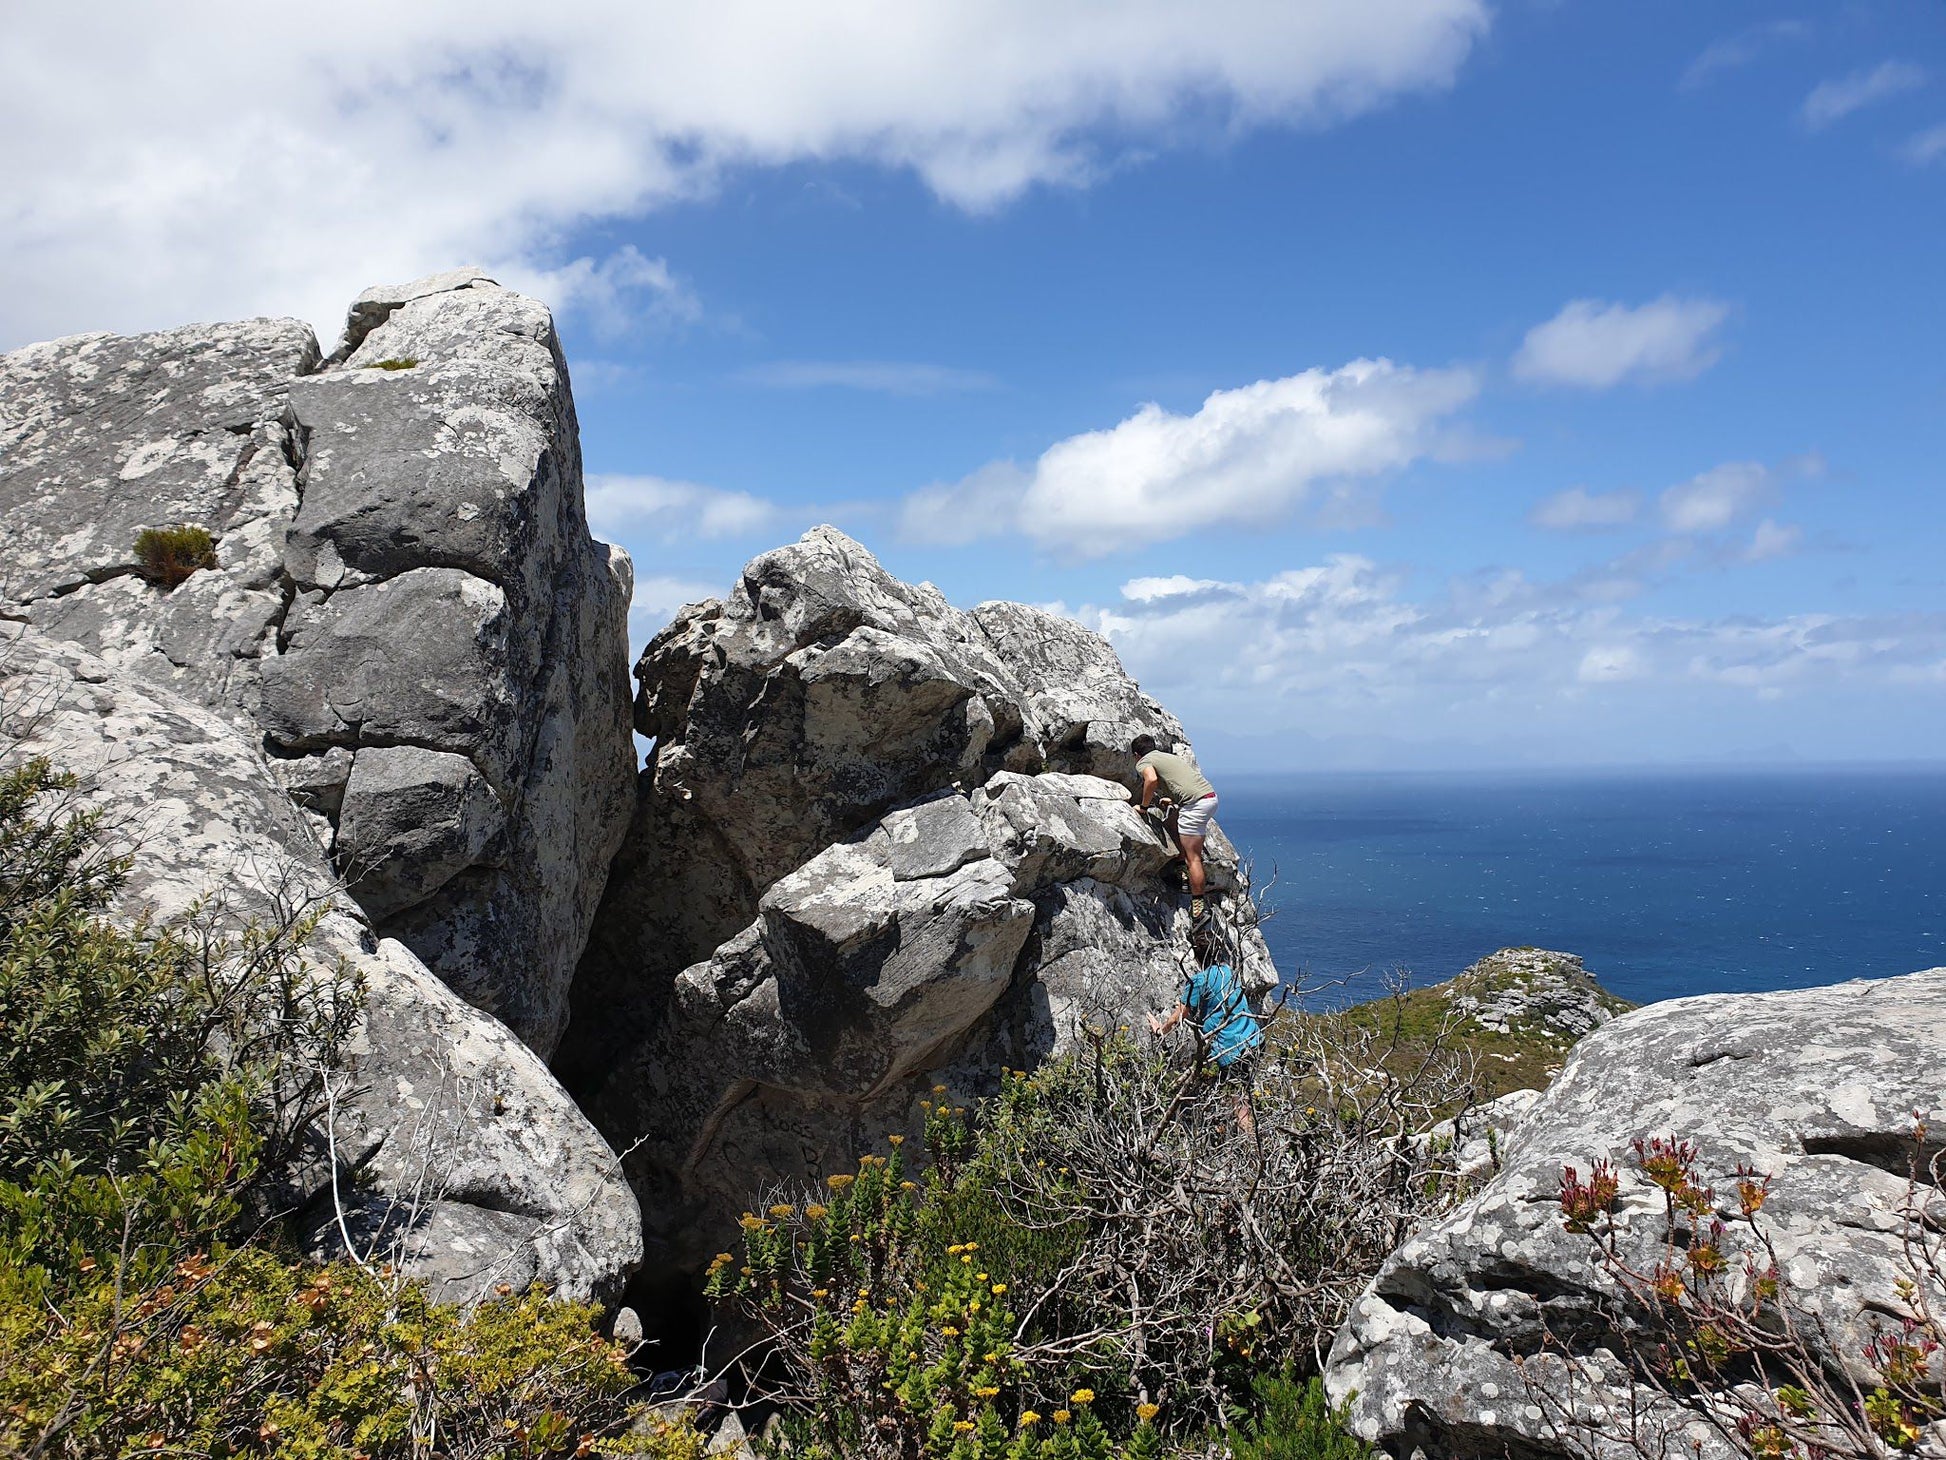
(250, 1353)
(168, 555)
(401, 362)
(1292, 1420)
(148, 1077)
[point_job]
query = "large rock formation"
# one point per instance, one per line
(1816, 1087)
(449, 1133)
(407, 602)
(875, 850)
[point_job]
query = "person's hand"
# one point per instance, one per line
(1155, 1024)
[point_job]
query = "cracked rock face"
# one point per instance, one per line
(877, 850)
(1816, 1087)
(403, 565)
(443, 1110)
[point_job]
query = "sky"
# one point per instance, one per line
(1398, 384)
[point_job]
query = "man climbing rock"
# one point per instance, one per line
(1176, 777)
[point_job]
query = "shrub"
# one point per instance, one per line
(1292, 1420)
(251, 1353)
(401, 362)
(146, 1075)
(1107, 1248)
(168, 555)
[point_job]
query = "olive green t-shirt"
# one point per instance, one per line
(1178, 775)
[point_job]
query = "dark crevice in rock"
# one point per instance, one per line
(1902, 1156)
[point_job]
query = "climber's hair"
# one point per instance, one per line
(1141, 745)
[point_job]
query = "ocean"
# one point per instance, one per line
(1666, 883)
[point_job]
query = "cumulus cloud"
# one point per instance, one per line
(212, 158)
(1247, 456)
(1595, 344)
(1710, 501)
(635, 507)
(1740, 49)
(1832, 101)
(888, 377)
(1579, 510)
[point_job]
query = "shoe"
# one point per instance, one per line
(1198, 910)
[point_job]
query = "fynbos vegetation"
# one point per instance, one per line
(168, 555)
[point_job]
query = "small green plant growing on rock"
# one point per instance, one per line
(168, 555)
(396, 362)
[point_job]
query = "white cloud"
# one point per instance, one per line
(1595, 344)
(1712, 500)
(623, 292)
(1925, 147)
(647, 506)
(1577, 509)
(1740, 49)
(212, 158)
(1773, 539)
(1248, 456)
(889, 377)
(1831, 101)
(1342, 649)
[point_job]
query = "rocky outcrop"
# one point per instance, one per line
(450, 1134)
(876, 850)
(407, 602)
(1532, 991)
(1816, 1087)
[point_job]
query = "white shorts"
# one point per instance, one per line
(1194, 819)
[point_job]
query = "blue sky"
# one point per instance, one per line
(1411, 384)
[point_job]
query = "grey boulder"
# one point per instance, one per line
(1816, 1087)
(451, 1138)
(879, 849)
(403, 561)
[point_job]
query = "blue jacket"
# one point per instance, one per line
(1215, 999)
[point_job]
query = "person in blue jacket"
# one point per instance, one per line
(1231, 1036)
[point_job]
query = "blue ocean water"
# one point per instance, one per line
(1667, 883)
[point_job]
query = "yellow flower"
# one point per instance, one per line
(783, 1210)
(956, 1249)
(815, 1211)
(998, 1289)
(950, 1331)
(1147, 1412)
(840, 1181)
(820, 1292)
(981, 1276)
(962, 1426)
(967, 1260)
(987, 1391)
(939, 1089)
(1061, 1416)
(908, 1186)
(972, 1247)
(753, 1223)
(1083, 1396)
(895, 1140)
(1028, 1417)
